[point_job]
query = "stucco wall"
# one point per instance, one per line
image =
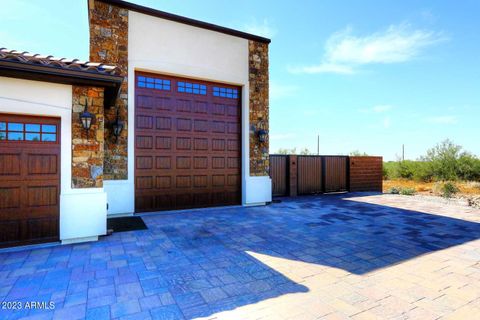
(166, 47)
(82, 211)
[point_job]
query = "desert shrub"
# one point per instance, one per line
(406, 169)
(446, 189)
(394, 190)
(358, 153)
(468, 167)
(444, 162)
(408, 191)
(389, 170)
(423, 172)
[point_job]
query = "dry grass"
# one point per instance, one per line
(466, 188)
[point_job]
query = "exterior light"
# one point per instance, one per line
(86, 118)
(262, 131)
(117, 126)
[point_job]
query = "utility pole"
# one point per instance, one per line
(318, 145)
(403, 152)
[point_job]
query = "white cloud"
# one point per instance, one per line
(323, 68)
(345, 52)
(443, 120)
(263, 28)
(278, 91)
(387, 122)
(381, 108)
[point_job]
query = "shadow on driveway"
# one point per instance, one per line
(195, 264)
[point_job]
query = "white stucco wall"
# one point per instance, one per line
(166, 47)
(82, 211)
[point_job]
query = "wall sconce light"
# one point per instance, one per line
(117, 126)
(262, 131)
(86, 118)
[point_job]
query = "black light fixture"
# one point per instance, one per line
(262, 131)
(86, 118)
(117, 126)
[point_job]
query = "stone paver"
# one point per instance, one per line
(326, 257)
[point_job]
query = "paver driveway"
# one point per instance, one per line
(333, 256)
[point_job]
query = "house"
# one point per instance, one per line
(172, 114)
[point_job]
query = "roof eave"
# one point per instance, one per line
(19, 70)
(185, 20)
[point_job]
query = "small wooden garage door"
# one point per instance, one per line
(29, 179)
(187, 143)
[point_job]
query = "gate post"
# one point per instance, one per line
(292, 167)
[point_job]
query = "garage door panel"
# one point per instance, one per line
(200, 107)
(183, 143)
(10, 232)
(164, 182)
(42, 196)
(144, 203)
(10, 196)
(163, 143)
(200, 125)
(189, 156)
(200, 162)
(42, 228)
(144, 122)
(144, 142)
(10, 163)
(183, 105)
(29, 181)
(200, 144)
(42, 164)
(163, 123)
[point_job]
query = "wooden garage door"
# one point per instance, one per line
(29, 179)
(187, 143)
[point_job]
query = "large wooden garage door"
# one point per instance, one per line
(187, 143)
(29, 179)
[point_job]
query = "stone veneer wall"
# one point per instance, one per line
(87, 152)
(258, 80)
(109, 44)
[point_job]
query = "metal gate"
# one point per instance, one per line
(314, 174)
(309, 174)
(335, 173)
(279, 175)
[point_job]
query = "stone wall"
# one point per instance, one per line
(87, 152)
(109, 44)
(258, 81)
(366, 174)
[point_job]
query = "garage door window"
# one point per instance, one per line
(32, 132)
(225, 92)
(3, 131)
(153, 83)
(194, 88)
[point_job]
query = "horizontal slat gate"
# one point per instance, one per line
(336, 173)
(279, 175)
(309, 174)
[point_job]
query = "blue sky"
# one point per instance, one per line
(364, 75)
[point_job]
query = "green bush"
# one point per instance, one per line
(444, 162)
(408, 191)
(446, 189)
(394, 190)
